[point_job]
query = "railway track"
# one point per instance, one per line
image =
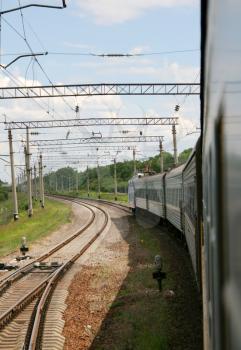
(101, 201)
(26, 293)
(7, 281)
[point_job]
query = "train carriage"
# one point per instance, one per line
(221, 125)
(131, 194)
(192, 209)
(140, 192)
(156, 194)
(174, 197)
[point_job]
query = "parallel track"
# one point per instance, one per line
(101, 201)
(25, 299)
(7, 281)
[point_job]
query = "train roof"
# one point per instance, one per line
(154, 177)
(176, 171)
(147, 178)
(192, 154)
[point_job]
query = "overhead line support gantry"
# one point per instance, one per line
(96, 140)
(74, 90)
(41, 124)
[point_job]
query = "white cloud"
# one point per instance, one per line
(107, 106)
(116, 11)
(138, 50)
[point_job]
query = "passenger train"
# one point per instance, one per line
(175, 196)
(202, 198)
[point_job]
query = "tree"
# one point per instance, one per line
(183, 156)
(124, 169)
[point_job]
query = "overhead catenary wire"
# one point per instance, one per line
(44, 106)
(108, 55)
(36, 60)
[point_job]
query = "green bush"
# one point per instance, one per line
(3, 195)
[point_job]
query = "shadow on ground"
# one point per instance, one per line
(141, 317)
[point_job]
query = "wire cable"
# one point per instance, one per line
(110, 55)
(37, 61)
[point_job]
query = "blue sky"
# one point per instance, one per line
(104, 26)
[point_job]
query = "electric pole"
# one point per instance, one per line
(115, 179)
(14, 191)
(41, 181)
(35, 182)
(161, 157)
(134, 160)
(174, 133)
(28, 171)
(88, 182)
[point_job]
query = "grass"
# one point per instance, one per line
(38, 226)
(142, 318)
(6, 206)
(144, 312)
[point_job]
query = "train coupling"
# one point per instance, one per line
(158, 274)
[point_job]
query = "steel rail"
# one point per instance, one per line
(35, 337)
(38, 290)
(117, 205)
(8, 315)
(112, 204)
(7, 281)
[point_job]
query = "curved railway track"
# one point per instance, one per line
(26, 293)
(100, 201)
(8, 280)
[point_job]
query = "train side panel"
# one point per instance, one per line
(155, 195)
(190, 210)
(131, 194)
(174, 197)
(140, 193)
(222, 171)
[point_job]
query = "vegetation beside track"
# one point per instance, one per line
(6, 211)
(143, 318)
(68, 177)
(43, 222)
(121, 197)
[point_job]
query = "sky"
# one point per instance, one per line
(168, 28)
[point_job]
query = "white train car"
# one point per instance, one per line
(190, 207)
(174, 197)
(156, 194)
(139, 184)
(131, 194)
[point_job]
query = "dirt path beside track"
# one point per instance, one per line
(114, 304)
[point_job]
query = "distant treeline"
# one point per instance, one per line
(67, 178)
